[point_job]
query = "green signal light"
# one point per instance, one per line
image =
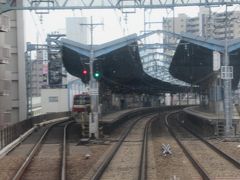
(96, 74)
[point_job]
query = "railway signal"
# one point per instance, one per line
(97, 70)
(96, 75)
(84, 72)
(85, 75)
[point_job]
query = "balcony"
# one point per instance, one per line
(4, 23)
(4, 87)
(4, 54)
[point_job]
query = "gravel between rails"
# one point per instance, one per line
(151, 165)
(11, 162)
(78, 167)
(111, 139)
(125, 164)
(215, 165)
(46, 164)
(230, 148)
(175, 166)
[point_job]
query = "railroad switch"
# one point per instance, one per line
(166, 149)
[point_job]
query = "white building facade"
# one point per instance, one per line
(77, 29)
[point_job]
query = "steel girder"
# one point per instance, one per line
(162, 73)
(7, 5)
(156, 54)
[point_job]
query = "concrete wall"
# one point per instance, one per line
(36, 106)
(54, 100)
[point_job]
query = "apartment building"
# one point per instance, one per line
(12, 68)
(233, 25)
(38, 79)
(5, 76)
(177, 24)
(206, 24)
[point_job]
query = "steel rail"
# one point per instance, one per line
(33, 152)
(108, 159)
(64, 151)
(189, 155)
(144, 153)
(214, 148)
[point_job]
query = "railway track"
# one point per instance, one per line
(209, 161)
(47, 143)
(128, 158)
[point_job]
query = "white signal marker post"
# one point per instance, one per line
(94, 90)
(94, 93)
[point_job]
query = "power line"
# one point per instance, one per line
(39, 30)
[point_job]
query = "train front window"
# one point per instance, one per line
(78, 100)
(87, 100)
(81, 100)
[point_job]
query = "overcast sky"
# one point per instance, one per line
(115, 24)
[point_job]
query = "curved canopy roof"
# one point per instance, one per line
(193, 59)
(120, 64)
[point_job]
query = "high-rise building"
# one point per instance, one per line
(5, 76)
(12, 68)
(177, 24)
(207, 24)
(77, 31)
(232, 26)
(37, 73)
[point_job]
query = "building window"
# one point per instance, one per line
(52, 99)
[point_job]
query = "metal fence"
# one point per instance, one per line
(12, 132)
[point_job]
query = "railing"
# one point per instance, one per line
(12, 132)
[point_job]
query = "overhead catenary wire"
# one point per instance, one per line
(40, 30)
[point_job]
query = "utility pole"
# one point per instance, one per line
(94, 88)
(227, 84)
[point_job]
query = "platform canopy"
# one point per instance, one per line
(120, 64)
(193, 59)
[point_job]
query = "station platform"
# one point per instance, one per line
(113, 117)
(111, 121)
(109, 118)
(206, 114)
(216, 120)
